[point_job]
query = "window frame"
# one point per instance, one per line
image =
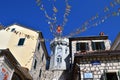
(40, 73)
(43, 56)
(13, 29)
(38, 47)
(21, 42)
(35, 64)
(98, 45)
(59, 59)
(82, 46)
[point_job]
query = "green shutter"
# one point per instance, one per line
(77, 46)
(102, 46)
(93, 46)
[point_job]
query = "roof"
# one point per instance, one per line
(15, 64)
(23, 26)
(43, 45)
(89, 38)
(116, 42)
(8, 54)
(97, 53)
(25, 72)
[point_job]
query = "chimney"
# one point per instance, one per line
(101, 33)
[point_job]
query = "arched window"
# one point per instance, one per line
(59, 59)
(13, 29)
(59, 50)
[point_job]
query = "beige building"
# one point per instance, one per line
(10, 68)
(27, 46)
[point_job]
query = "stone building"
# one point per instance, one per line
(59, 54)
(92, 59)
(10, 68)
(28, 48)
(59, 61)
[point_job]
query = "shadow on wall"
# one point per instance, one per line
(65, 75)
(102, 77)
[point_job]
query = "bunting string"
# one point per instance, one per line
(52, 20)
(98, 19)
(95, 20)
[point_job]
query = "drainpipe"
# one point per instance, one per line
(79, 70)
(79, 73)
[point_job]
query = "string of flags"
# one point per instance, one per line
(52, 20)
(95, 20)
(98, 19)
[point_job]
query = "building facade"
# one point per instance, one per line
(10, 68)
(27, 46)
(88, 44)
(59, 54)
(97, 66)
(92, 59)
(59, 60)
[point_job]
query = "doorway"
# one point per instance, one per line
(111, 76)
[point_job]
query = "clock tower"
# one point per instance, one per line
(59, 54)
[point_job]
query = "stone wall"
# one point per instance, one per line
(55, 75)
(107, 63)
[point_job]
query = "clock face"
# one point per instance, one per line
(59, 49)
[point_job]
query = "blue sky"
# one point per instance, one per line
(27, 13)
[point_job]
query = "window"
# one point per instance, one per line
(21, 41)
(88, 76)
(42, 56)
(82, 46)
(59, 59)
(40, 73)
(66, 50)
(13, 29)
(98, 46)
(112, 76)
(35, 63)
(39, 46)
(59, 50)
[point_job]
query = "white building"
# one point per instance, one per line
(59, 54)
(59, 61)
